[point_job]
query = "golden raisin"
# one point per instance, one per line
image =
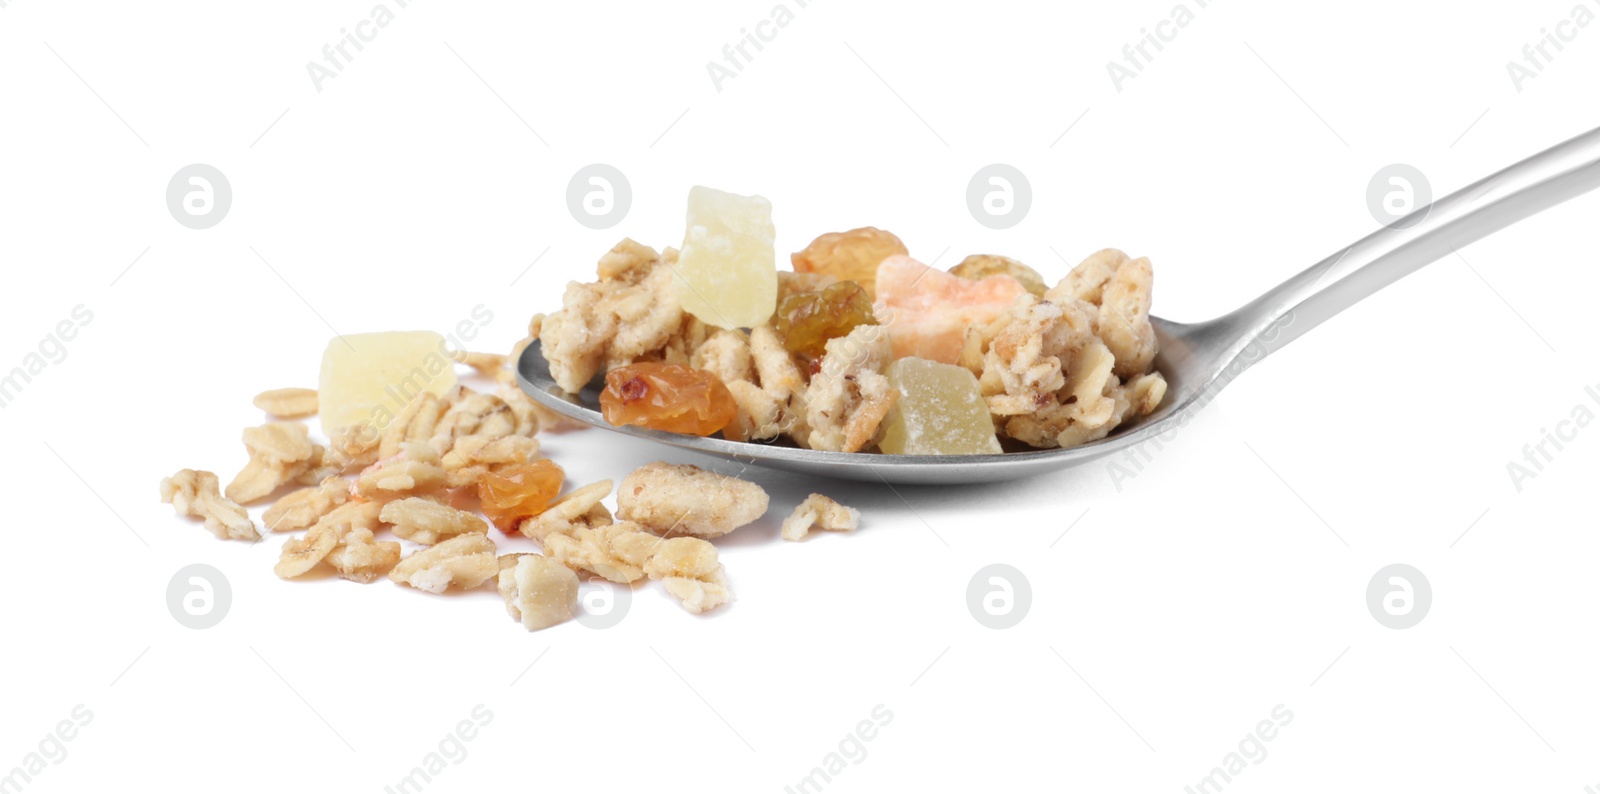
(850, 256)
(807, 320)
(979, 266)
(518, 491)
(667, 397)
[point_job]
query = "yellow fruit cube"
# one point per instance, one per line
(726, 271)
(369, 378)
(940, 411)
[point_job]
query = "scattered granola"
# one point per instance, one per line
(280, 453)
(681, 499)
(300, 509)
(611, 552)
(539, 591)
(350, 523)
(820, 512)
(415, 423)
(412, 472)
(194, 493)
(688, 558)
(700, 595)
(464, 561)
(288, 403)
(577, 510)
(803, 360)
(360, 558)
(302, 554)
(353, 446)
(428, 522)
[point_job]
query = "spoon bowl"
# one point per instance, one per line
(1174, 361)
(1197, 359)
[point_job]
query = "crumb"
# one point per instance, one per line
(820, 512)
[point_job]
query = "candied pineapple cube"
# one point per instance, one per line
(369, 378)
(727, 276)
(941, 411)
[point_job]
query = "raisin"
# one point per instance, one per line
(667, 397)
(518, 491)
(807, 320)
(849, 256)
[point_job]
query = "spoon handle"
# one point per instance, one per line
(1531, 186)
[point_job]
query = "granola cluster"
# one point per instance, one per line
(1061, 366)
(395, 502)
(1068, 368)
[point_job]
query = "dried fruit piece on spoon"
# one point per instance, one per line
(667, 397)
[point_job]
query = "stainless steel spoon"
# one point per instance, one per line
(1198, 359)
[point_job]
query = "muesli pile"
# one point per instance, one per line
(442, 470)
(860, 348)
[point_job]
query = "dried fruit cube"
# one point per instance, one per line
(667, 397)
(820, 512)
(726, 274)
(539, 591)
(369, 378)
(940, 411)
(849, 256)
(681, 499)
(464, 561)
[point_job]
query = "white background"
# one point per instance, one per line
(1174, 615)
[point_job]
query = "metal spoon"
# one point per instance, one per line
(1198, 359)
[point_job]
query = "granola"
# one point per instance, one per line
(611, 552)
(683, 499)
(194, 493)
(300, 509)
(427, 522)
(632, 311)
(539, 592)
(683, 558)
(413, 472)
(577, 510)
(701, 595)
(361, 558)
(280, 453)
(464, 561)
(848, 398)
(819, 512)
(288, 403)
